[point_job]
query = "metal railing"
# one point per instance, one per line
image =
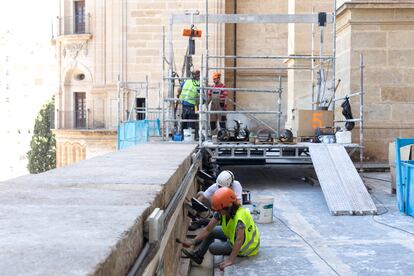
(80, 119)
(71, 25)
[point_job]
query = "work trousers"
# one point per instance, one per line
(189, 114)
(217, 247)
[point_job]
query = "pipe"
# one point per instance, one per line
(235, 54)
(148, 251)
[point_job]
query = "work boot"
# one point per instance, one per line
(193, 256)
(198, 223)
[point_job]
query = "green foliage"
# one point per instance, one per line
(42, 156)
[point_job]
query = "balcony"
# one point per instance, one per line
(73, 32)
(80, 120)
(72, 25)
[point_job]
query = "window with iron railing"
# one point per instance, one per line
(78, 23)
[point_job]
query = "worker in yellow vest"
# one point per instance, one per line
(189, 96)
(238, 233)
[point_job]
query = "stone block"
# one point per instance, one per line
(401, 58)
(364, 40)
(377, 112)
(397, 94)
(401, 40)
(372, 57)
(408, 75)
(373, 15)
(402, 111)
(380, 75)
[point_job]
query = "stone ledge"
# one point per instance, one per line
(87, 218)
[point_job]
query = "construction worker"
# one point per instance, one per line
(189, 97)
(238, 234)
(224, 179)
(217, 102)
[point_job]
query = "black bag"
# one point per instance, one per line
(347, 112)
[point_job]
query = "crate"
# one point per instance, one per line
(305, 122)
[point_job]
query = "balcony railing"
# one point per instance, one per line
(80, 119)
(71, 25)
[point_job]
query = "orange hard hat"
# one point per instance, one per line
(216, 75)
(223, 198)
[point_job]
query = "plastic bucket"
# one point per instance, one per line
(263, 209)
(188, 134)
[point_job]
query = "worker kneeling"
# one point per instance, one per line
(238, 234)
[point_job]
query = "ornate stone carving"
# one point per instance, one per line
(73, 49)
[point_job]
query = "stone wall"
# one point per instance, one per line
(258, 40)
(383, 33)
(75, 145)
(304, 39)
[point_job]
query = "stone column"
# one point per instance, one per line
(384, 32)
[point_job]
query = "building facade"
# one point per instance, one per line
(101, 44)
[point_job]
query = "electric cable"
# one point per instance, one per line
(385, 224)
(305, 241)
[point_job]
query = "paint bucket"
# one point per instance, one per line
(188, 134)
(263, 209)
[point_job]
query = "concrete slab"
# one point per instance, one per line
(356, 245)
(87, 218)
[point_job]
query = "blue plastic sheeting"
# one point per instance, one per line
(131, 133)
(405, 178)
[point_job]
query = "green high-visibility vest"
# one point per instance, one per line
(251, 243)
(190, 93)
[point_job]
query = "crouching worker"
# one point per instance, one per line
(224, 179)
(238, 234)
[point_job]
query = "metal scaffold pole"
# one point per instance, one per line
(333, 55)
(163, 87)
(361, 111)
(279, 104)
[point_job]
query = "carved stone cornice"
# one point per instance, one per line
(73, 45)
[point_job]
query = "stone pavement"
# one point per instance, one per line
(347, 245)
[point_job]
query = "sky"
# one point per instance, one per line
(25, 36)
(32, 18)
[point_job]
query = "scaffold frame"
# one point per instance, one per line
(204, 140)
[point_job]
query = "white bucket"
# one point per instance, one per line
(188, 134)
(343, 137)
(263, 209)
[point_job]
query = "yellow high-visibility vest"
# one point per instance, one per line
(251, 243)
(190, 93)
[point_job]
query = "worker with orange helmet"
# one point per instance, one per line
(238, 234)
(217, 101)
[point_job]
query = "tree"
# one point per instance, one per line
(42, 156)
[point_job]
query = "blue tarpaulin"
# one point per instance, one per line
(131, 133)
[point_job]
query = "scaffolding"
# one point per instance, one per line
(322, 98)
(137, 122)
